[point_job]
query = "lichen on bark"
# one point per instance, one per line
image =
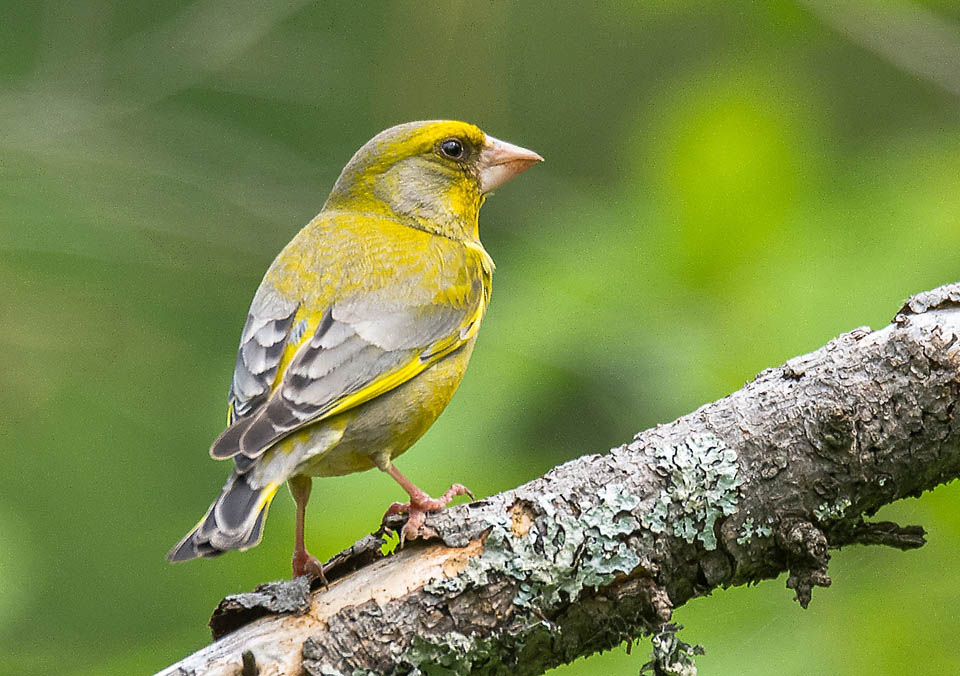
(701, 486)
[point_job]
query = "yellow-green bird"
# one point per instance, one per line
(360, 331)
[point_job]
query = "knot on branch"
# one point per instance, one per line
(806, 548)
(655, 603)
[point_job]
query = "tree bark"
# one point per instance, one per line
(600, 550)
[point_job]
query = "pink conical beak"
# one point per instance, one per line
(500, 161)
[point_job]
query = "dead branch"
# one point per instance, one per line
(600, 550)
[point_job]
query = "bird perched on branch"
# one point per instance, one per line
(360, 331)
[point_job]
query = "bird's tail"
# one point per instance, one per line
(234, 521)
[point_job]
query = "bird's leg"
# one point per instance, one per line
(420, 503)
(303, 562)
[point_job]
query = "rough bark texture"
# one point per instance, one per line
(600, 549)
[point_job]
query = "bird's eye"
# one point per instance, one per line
(452, 148)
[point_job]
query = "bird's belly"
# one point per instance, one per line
(376, 432)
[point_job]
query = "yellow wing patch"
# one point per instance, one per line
(397, 377)
(305, 322)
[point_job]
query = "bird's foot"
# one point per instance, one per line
(417, 509)
(304, 563)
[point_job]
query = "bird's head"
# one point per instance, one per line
(432, 175)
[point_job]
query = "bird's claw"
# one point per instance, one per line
(305, 563)
(417, 509)
(458, 489)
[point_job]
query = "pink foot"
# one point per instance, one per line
(305, 563)
(418, 507)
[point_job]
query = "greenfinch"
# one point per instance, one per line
(360, 331)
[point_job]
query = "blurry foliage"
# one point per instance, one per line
(727, 185)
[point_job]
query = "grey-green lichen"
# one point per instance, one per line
(553, 559)
(560, 554)
(454, 653)
(750, 530)
(557, 553)
(832, 511)
(671, 656)
(702, 484)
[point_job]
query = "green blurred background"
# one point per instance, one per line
(727, 185)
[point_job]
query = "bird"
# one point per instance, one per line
(360, 332)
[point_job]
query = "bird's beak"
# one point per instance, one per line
(500, 161)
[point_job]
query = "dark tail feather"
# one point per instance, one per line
(227, 444)
(234, 521)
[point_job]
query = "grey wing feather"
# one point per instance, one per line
(354, 345)
(395, 327)
(262, 344)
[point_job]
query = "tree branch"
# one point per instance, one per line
(601, 549)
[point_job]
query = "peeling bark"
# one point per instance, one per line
(600, 550)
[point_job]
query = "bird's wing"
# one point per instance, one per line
(265, 337)
(359, 349)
